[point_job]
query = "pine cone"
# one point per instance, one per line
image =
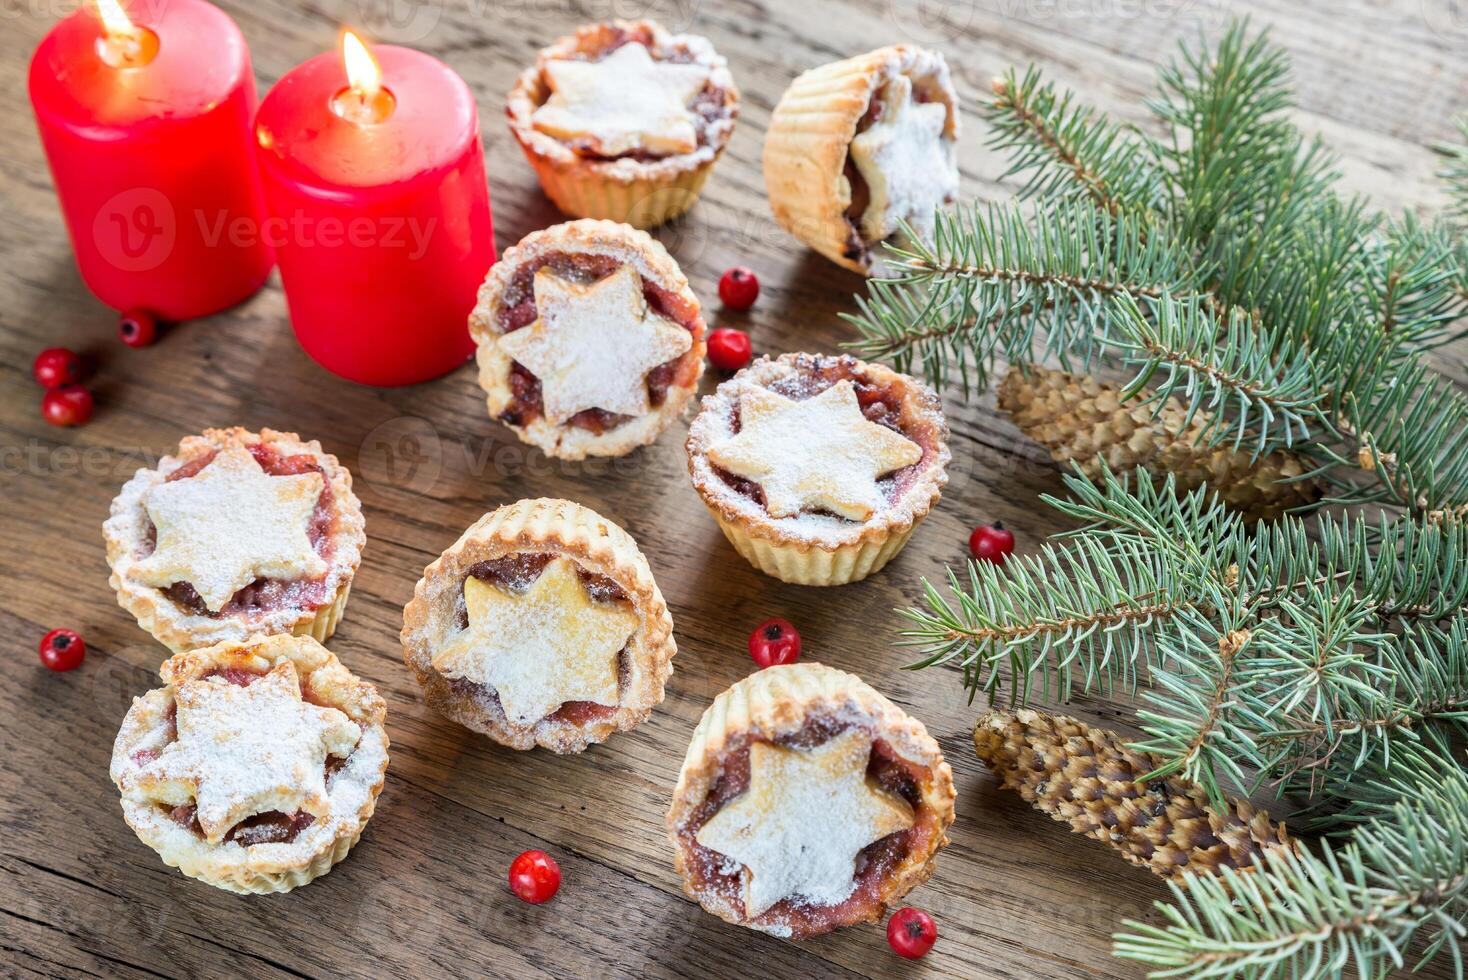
(1086, 777)
(1084, 420)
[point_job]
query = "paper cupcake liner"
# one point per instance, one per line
(643, 203)
(810, 565)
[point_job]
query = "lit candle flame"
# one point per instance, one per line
(364, 75)
(115, 20)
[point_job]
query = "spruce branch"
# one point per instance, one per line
(1067, 151)
(1455, 170)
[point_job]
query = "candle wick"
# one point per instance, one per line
(128, 49)
(363, 108)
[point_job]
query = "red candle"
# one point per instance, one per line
(379, 210)
(147, 129)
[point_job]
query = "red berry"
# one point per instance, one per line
(137, 328)
(57, 367)
(774, 642)
(911, 933)
(535, 877)
(729, 350)
(739, 288)
(71, 405)
(992, 542)
(62, 650)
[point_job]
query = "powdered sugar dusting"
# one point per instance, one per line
(594, 345)
(542, 647)
(910, 166)
(806, 815)
(229, 525)
(244, 750)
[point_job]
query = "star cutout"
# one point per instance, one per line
(623, 103)
(230, 524)
(247, 750)
(593, 345)
(541, 648)
(816, 454)
(908, 165)
(806, 815)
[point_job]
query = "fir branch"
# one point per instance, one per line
(1455, 171)
(1068, 151)
(993, 281)
(1083, 613)
(1404, 875)
(1255, 388)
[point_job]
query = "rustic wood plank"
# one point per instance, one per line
(1015, 894)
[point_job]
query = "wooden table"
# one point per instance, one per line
(424, 893)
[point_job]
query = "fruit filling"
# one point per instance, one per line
(518, 311)
(882, 404)
(516, 573)
(709, 106)
(861, 193)
(264, 595)
(271, 827)
(714, 872)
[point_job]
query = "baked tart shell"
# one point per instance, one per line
(809, 135)
(180, 630)
(641, 193)
(857, 551)
(256, 870)
(562, 528)
(776, 702)
(589, 237)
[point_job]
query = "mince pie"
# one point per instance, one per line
(819, 468)
(624, 121)
(589, 340)
(239, 533)
(807, 802)
(541, 625)
(857, 147)
(257, 764)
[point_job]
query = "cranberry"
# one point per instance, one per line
(729, 350)
(137, 328)
(62, 650)
(71, 405)
(774, 642)
(992, 542)
(535, 877)
(57, 367)
(911, 933)
(739, 288)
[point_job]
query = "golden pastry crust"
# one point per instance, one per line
(811, 131)
(265, 867)
(542, 526)
(776, 703)
(814, 549)
(640, 192)
(593, 238)
(127, 536)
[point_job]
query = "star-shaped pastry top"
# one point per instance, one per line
(593, 345)
(247, 750)
(806, 815)
(818, 454)
(622, 103)
(230, 524)
(540, 648)
(906, 162)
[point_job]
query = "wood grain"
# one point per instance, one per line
(423, 894)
